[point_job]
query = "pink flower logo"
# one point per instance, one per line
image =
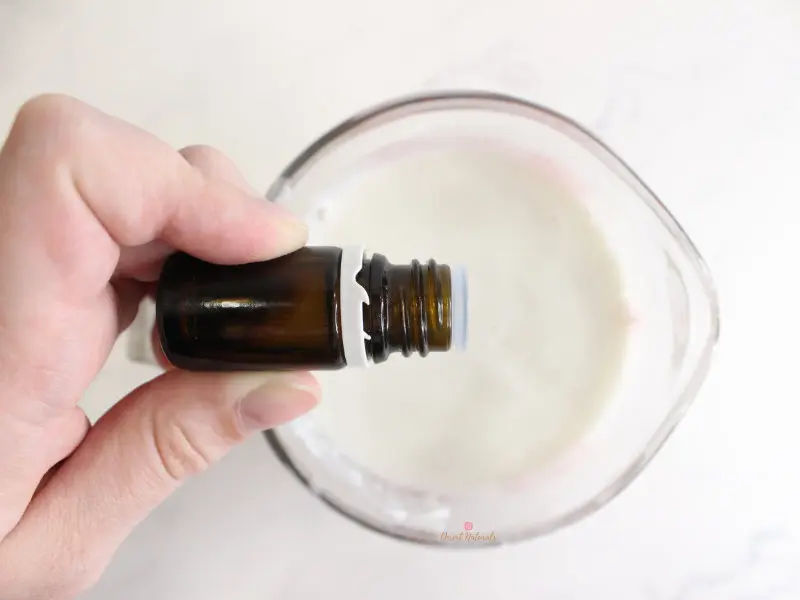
(467, 525)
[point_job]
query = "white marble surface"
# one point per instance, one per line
(700, 97)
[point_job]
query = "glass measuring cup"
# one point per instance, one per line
(667, 284)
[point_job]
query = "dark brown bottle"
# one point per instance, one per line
(301, 311)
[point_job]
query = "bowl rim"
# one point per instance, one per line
(449, 100)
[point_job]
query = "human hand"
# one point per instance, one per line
(89, 208)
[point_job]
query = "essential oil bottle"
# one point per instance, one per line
(318, 308)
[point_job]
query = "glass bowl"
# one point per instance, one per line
(667, 284)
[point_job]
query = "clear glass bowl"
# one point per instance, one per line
(671, 289)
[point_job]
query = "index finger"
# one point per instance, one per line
(77, 184)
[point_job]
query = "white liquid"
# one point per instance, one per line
(547, 318)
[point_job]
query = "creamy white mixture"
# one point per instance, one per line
(547, 320)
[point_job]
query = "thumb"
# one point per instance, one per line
(139, 452)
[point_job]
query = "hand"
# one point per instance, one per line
(89, 208)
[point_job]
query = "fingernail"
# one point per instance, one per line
(291, 231)
(277, 400)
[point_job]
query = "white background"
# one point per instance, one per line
(701, 97)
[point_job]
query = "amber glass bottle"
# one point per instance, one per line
(306, 310)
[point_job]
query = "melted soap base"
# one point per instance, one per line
(547, 320)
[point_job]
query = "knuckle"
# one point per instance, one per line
(49, 127)
(46, 110)
(180, 452)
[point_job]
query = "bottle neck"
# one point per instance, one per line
(409, 308)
